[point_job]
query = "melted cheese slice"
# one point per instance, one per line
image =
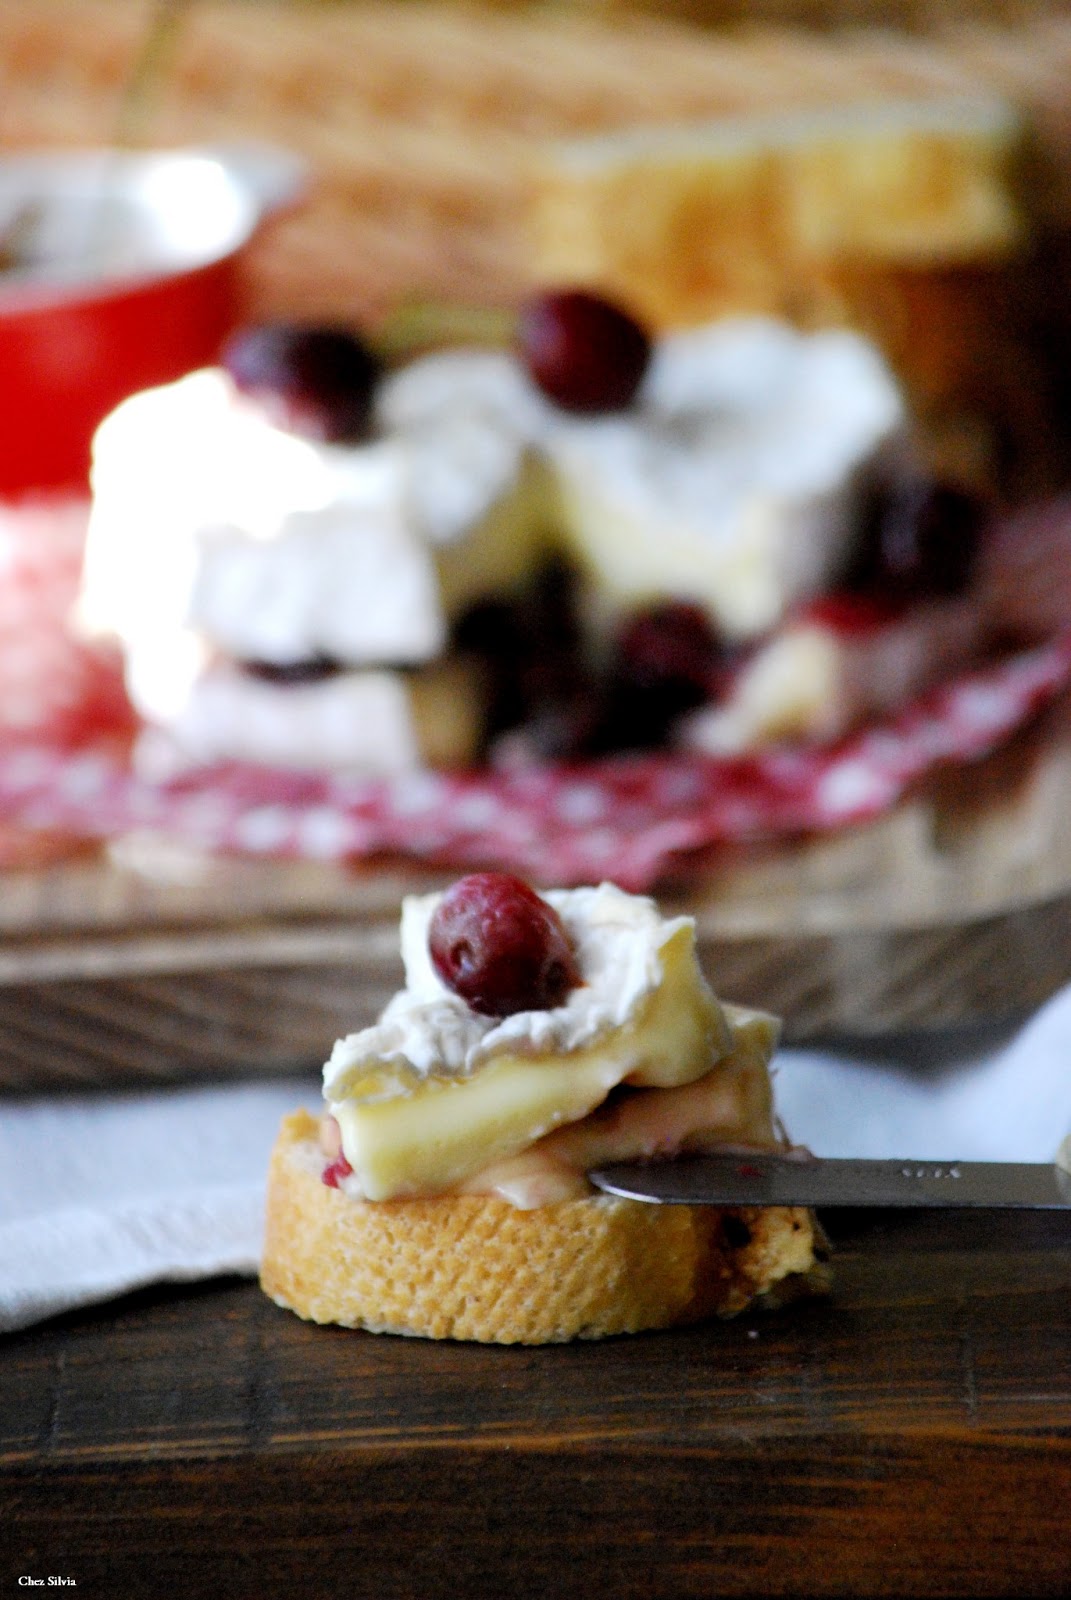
(427, 1135)
(732, 1104)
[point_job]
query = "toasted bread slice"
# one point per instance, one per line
(475, 1267)
(752, 211)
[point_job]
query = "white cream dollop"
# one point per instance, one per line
(465, 421)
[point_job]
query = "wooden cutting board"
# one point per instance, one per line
(152, 964)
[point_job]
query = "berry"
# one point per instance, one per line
(920, 539)
(584, 353)
(531, 653)
(666, 660)
(670, 645)
(853, 615)
(502, 948)
(314, 381)
(335, 1170)
(310, 669)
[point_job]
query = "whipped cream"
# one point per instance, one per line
(347, 582)
(206, 517)
(465, 421)
(618, 940)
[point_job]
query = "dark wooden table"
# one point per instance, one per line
(910, 1436)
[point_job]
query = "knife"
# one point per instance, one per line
(763, 1179)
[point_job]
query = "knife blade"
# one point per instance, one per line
(764, 1179)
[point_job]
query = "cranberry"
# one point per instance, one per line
(854, 615)
(336, 1169)
(666, 660)
(502, 948)
(534, 663)
(315, 381)
(920, 538)
(584, 353)
(671, 644)
(311, 669)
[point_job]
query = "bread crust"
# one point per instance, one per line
(475, 1267)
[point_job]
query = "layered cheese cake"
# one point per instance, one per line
(734, 479)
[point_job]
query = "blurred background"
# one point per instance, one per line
(438, 144)
(418, 120)
(426, 128)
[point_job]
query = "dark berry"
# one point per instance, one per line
(919, 539)
(670, 644)
(584, 353)
(314, 381)
(336, 1169)
(666, 660)
(311, 669)
(853, 615)
(502, 948)
(533, 661)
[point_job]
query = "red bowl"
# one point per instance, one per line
(128, 275)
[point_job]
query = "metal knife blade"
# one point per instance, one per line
(766, 1179)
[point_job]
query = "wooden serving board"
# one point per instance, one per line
(154, 965)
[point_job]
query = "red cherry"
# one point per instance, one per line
(854, 615)
(314, 381)
(502, 948)
(584, 353)
(666, 660)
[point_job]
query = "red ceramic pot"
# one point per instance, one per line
(127, 275)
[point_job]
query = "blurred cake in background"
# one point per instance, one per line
(316, 529)
(887, 215)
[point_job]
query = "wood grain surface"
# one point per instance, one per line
(909, 1436)
(156, 965)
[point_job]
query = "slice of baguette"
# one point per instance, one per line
(749, 212)
(474, 1267)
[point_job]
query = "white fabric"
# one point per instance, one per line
(106, 1192)
(983, 1095)
(102, 1193)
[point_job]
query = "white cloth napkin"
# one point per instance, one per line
(103, 1193)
